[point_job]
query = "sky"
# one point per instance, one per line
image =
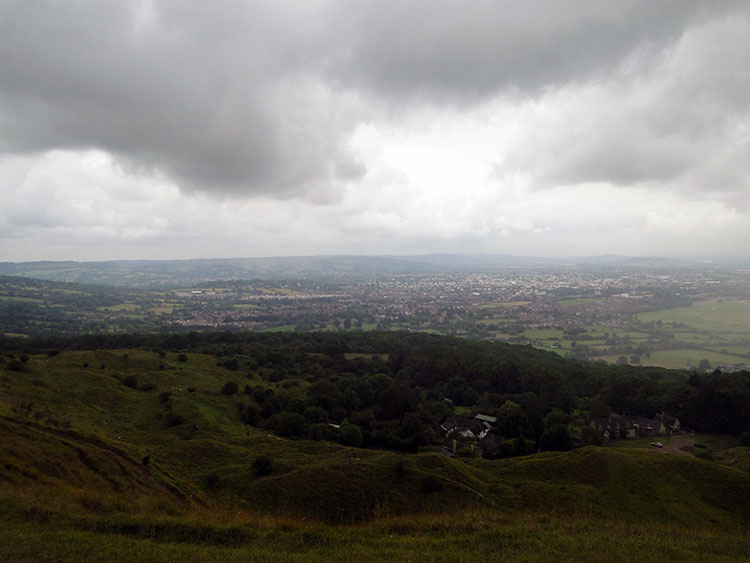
(191, 129)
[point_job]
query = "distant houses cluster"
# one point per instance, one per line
(477, 435)
(618, 426)
(473, 433)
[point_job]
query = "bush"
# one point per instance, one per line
(130, 381)
(745, 439)
(400, 468)
(230, 388)
(231, 364)
(350, 434)
(431, 484)
(182, 358)
(263, 465)
(148, 387)
(164, 396)
(173, 419)
(211, 481)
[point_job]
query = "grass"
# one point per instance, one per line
(354, 355)
(84, 493)
(282, 328)
(473, 535)
(120, 307)
(543, 334)
(503, 304)
(713, 316)
(23, 299)
(163, 310)
(469, 536)
(686, 358)
(574, 302)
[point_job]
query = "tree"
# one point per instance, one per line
(350, 434)
(263, 465)
(510, 419)
(556, 438)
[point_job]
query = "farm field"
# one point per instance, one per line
(718, 317)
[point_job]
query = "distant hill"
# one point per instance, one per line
(176, 272)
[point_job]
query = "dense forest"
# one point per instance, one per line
(393, 390)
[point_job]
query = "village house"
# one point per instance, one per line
(474, 433)
(618, 426)
(469, 428)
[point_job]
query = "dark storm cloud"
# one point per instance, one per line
(215, 98)
(453, 49)
(259, 97)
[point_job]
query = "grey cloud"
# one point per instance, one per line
(678, 122)
(452, 50)
(259, 97)
(200, 94)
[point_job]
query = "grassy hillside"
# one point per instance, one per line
(133, 454)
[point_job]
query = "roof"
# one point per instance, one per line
(486, 418)
(462, 425)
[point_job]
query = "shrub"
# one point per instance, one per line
(400, 468)
(148, 387)
(130, 381)
(182, 358)
(15, 365)
(173, 419)
(745, 439)
(230, 388)
(211, 481)
(164, 396)
(350, 434)
(250, 415)
(263, 465)
(431, 484)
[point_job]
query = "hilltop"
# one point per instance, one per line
(143, 446)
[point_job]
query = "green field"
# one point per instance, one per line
(683, 359)
(574, 302)
(120, 307)
(544, 334)
(21, 299)
(503, 304)
(712, 316)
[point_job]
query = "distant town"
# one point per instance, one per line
(672, 315)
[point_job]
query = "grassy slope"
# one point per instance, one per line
(70, 490)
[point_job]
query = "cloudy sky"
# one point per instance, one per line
(186, 129)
